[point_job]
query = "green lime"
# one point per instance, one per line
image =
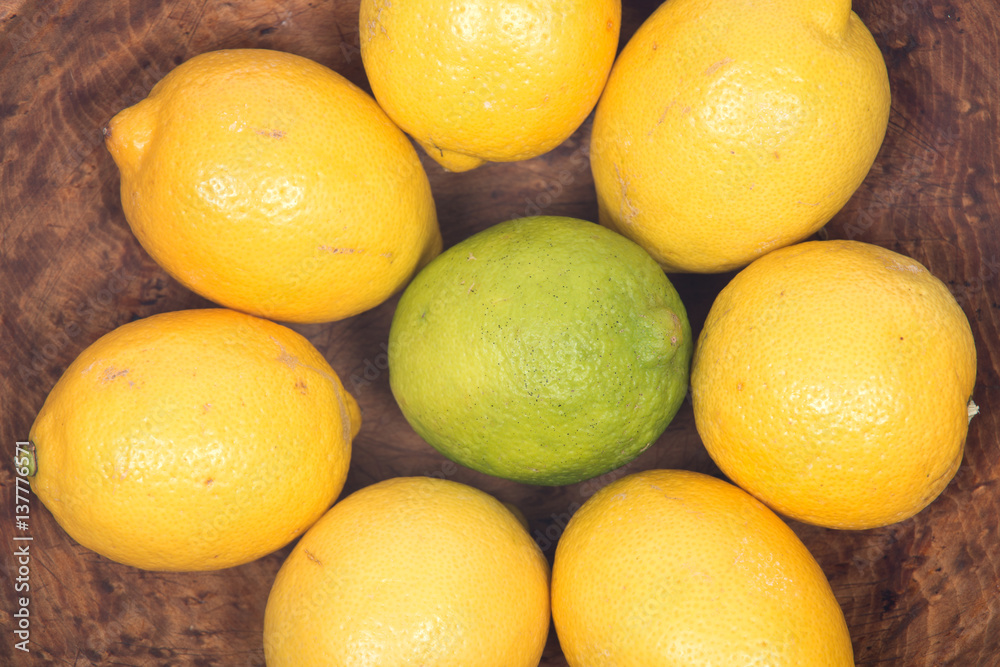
(546, 350)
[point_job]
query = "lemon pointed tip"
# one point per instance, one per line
(451, 160)
(353, 413)
(128, 133)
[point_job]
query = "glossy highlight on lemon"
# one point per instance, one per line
(546, 350)
(193, 440)
(411, 571)
(668, 567)
(270, 184)
(729, 129)
(488, 80)
(833, 380)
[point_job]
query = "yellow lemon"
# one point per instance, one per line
(667, 567)
(482, 80)
(411, 571)
(732, 128)
(832, 380)
(193, 440)
(270, 184)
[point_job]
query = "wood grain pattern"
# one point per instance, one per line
(925, 592)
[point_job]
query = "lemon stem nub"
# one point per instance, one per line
(666, 336)
(25, 461)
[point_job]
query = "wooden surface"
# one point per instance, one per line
(920, 593)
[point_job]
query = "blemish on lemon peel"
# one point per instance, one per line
(629, 211)
(290, 360)
(903, 264)
(663, 116)
(714, 67)
(110, 373)
(375, 23)
(349, 409)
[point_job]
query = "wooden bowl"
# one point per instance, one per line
(919, 593)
